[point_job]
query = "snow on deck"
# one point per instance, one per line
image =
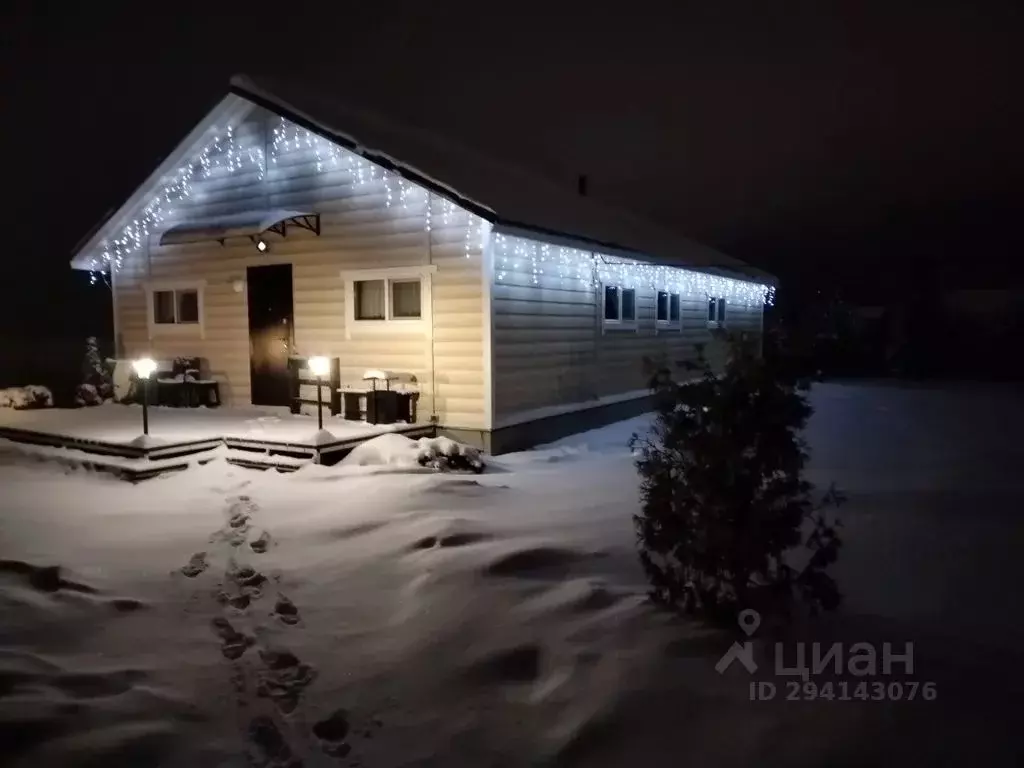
(122, 424)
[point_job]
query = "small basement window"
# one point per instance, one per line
(716, 312)
(176, 307)
(619, 305)
(667, 310)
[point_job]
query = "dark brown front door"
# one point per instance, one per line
(270, 332)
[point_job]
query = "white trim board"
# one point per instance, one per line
(487, 322)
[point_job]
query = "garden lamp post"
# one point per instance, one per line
(144, 368)
(319, 367)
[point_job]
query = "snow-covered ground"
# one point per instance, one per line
(379, 616)
(117, 423)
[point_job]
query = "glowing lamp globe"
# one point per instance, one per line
(144, 367)
(319, 366)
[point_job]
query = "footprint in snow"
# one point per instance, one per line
(238, 528)
(447, 540)
(261, 544)
(233, 642)
(283, 679)
(241, 506)
(196, 565)
(268, 747)
(242, 585)
(238, 600)
(245, 577)
(238, 514)
(285, 610)
(332, 732)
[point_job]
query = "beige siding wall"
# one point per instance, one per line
(551, 349)
(359, 230)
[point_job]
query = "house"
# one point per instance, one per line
(286, 225)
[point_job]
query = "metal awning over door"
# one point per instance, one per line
(249, 224)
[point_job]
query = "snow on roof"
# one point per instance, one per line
(516, 201)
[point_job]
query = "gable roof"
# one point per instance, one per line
(515, 201)
(228, 111)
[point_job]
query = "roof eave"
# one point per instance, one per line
(519, 229)
(243, 87)
(244, 95)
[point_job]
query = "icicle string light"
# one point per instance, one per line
(591, 270)
(228, 153)
(288, 137)
(221, 153)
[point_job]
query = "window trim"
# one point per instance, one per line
(197, 329)
(619, 323)
(669, 324)
(721, 312)
(418, 325)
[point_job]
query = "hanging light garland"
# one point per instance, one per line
(221, 153)
(289, 137)
(590, 270)
(225, 153)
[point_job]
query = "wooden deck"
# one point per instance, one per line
(47, 437)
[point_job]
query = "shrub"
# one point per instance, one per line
(725, 509)
(97, 377)
(86, 394)
(447, 455)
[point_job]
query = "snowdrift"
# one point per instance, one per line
(24, 398)
(398, 451)
(225, 617)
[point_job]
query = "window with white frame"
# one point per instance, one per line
(667, 308)
(175, 308)
(619, 305)
(383, 299)
(179, 306)
(398, 299)
(716, 312)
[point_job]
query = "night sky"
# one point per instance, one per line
(843, 147)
